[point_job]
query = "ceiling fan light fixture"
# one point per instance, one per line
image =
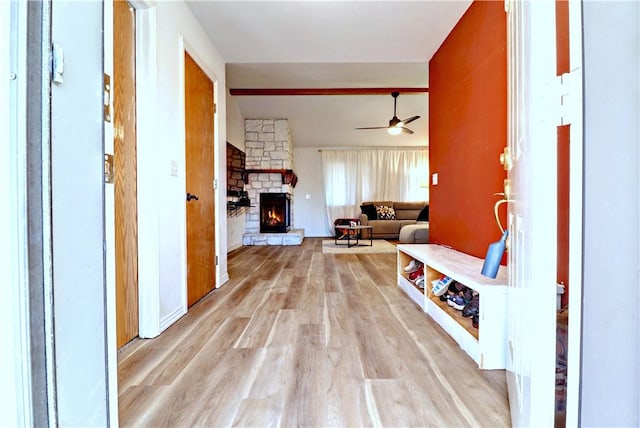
(396, 126)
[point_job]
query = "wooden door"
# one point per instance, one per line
(199, 115)
(125, 198)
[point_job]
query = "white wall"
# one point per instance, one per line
(610, 372)
(177, 30)
(235, 123)
(309, 214)
(235, 136)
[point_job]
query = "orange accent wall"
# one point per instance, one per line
(563, 66)
(562, 37)
(563, 210)
(468, 129)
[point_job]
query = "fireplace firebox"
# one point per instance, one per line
(275, 212)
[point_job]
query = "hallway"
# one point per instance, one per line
(302, 338)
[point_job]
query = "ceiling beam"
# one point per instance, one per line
(323, 91)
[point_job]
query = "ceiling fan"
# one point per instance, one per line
(396, 126)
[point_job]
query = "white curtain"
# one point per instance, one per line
(354, 176)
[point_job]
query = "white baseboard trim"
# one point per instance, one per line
(223, 280)
(174, 316)
(233, 247)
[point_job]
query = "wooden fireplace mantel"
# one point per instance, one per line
(288, 176)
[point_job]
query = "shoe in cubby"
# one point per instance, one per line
(472, 308)
(455, 287)
(456, 302)
(416, 274)
(467, 295)
(443, 285)
(413, 266)
(440, 287)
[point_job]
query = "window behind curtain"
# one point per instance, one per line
(353, 176)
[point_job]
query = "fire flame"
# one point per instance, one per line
(273, 218)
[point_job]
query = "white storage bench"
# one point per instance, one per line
(485, 344)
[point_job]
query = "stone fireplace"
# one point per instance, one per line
(269, 170)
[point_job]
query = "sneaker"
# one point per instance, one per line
(420, 282)
(450, 297)
(410, 266)
(456, 302)
(440, 288)
(415, 275)
(475, 322)
(467, 295)
(413, 266)
(445, 284)
(472, 308)
(453, 287)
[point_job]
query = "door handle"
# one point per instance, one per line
(190, 197)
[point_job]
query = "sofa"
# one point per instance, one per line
(391, 216)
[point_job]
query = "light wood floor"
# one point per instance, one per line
(300, 338)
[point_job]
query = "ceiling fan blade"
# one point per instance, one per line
(409, 120)
(395, 123)
(407, 130)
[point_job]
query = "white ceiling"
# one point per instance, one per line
(331, 44)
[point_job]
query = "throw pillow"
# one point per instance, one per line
(370, 211)
(424, 214)
(385, 213)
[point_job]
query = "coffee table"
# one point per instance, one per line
(350, 236)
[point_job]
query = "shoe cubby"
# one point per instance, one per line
(410, 288)
(455, 314)
(486, 345)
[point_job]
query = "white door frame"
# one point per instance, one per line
(148, 191)
(109, 226)
(576, 160)
(15, 362)
(532, 212)
(77, 220)
(148, 280)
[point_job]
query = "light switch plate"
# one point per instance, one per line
(434, 179)
(174, 168)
